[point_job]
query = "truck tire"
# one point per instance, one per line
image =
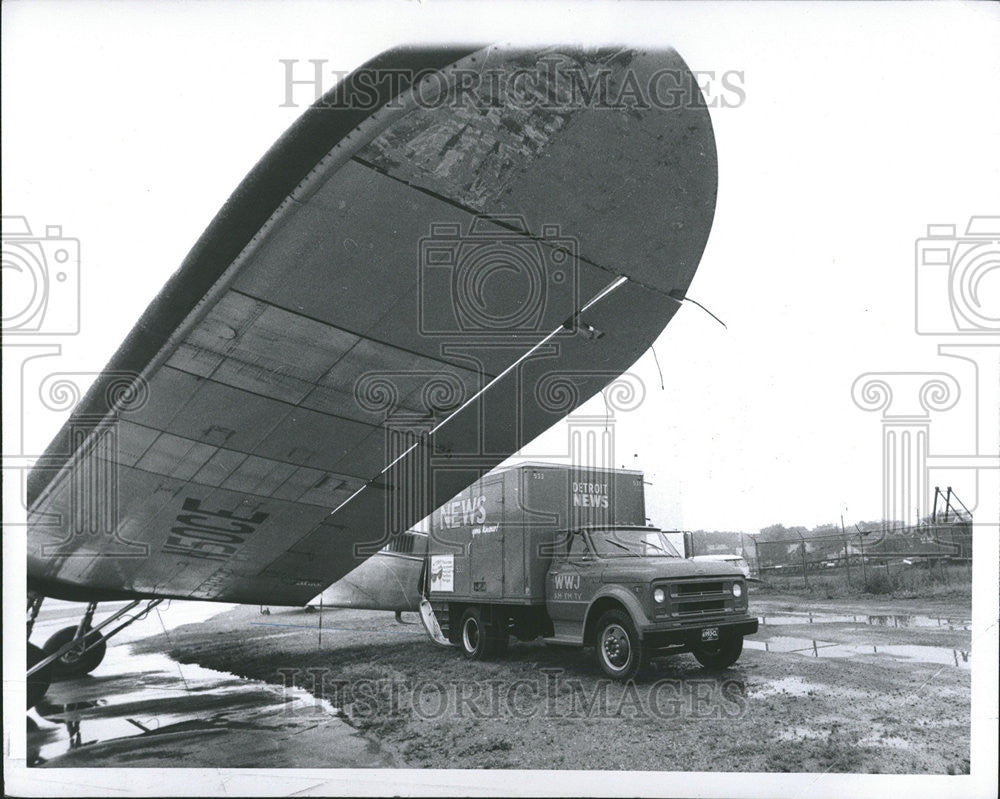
(620, 653)
(472, 637)
(720, 654)
(74, 663)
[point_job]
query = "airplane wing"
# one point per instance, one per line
(443, 257)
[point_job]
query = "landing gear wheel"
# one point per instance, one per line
(721, 654)
(75, 662)
(38, 683)
(620, 654)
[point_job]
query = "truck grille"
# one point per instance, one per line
(700, 598)
(698, 608)
(687, 589)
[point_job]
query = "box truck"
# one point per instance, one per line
(566, 554)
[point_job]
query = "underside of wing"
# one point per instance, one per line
(444, 257)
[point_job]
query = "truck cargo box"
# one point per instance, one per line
(493, 542)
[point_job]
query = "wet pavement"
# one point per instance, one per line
(774, 636)
(880, 620)
(785, 644)
(147, 709)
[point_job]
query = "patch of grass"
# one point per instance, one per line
(901, 582)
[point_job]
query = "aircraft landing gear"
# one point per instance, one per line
(74, 651)
(38, 681)
(87, 650)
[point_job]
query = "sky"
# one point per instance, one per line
(130, 124)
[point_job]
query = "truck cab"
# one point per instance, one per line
(627, 591)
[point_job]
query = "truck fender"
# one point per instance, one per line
(623, 598)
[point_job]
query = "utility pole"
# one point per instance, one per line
(802, 549)
(847, 554)
(861, 541)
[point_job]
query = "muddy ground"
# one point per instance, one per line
(825, 698)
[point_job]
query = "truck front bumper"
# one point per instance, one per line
(660, 634)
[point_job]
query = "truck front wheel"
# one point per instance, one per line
(619, 652)
(720, 654)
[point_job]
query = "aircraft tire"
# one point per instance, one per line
(73, 664)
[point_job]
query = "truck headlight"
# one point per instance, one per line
(737, 590)
(659, 596)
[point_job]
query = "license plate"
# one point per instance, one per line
(710, 634)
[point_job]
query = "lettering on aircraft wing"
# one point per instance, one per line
(210, 534)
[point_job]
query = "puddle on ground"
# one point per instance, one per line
(789, 686)
(890, 741)
(816, 648)
(800, 733)
(135, 694)
(878, 620)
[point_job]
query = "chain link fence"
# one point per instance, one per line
(878, 560)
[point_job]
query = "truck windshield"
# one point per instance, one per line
(643, 543)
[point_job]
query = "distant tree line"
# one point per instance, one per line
(777, 543)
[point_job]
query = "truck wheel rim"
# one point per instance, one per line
(470, 635)
(616, 647)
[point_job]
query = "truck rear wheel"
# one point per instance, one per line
(620, 654)
(479, 639)
(472, 634)
(720, 654)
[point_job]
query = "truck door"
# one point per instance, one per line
(570, 585)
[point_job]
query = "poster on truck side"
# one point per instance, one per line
(442, 572)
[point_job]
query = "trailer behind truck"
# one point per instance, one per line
(566, 554)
